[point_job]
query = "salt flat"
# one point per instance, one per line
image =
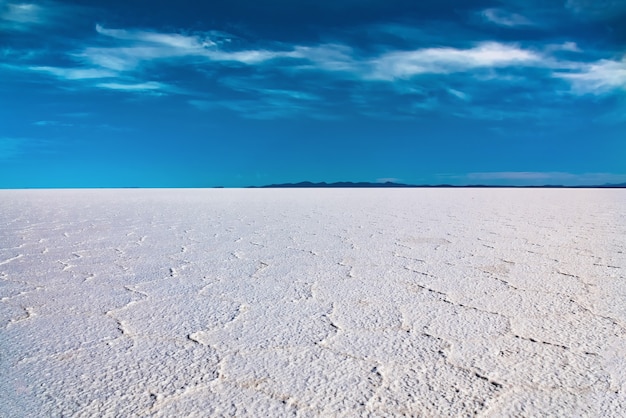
(313, 302)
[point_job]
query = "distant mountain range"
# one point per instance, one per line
(389, 184)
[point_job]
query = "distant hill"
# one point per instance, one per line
(389, 184)
(339, 184)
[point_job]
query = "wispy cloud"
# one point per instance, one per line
(458, 94)
(564, 46)
(503, 18)
(75, 73)
(136, 49)
(597, 77)
(147, 86)
(144, 46)
(73, 124)
(303, 77)
(30, 16)
(53, 123)
(405, 64)
(167, 39)
(329, 57)
(21, 13)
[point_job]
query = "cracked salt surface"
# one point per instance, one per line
(282, 302)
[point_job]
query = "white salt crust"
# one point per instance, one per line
(313, 302)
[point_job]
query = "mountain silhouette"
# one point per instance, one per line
(389, 184)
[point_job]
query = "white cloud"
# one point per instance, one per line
(29, 16)
(503, 18)
(459, 94)
(249, 57)
(21, 16)
(598, 77)
(121, 58)
(570, 46)
(126, 58)
(22, 13)
(174, 40)
(145, 46)
(565, 46)
(329, 57)
(53, 123)
(98, 75)
(405, 64)
(147, 86)
(289, 94)
(75, 73)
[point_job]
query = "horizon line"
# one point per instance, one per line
(338, 184)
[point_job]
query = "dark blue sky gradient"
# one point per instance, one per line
(236, 93)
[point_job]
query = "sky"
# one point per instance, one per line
(233, 93)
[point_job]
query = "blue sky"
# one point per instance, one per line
(234, 93)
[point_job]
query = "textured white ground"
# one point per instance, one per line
(393, 302)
